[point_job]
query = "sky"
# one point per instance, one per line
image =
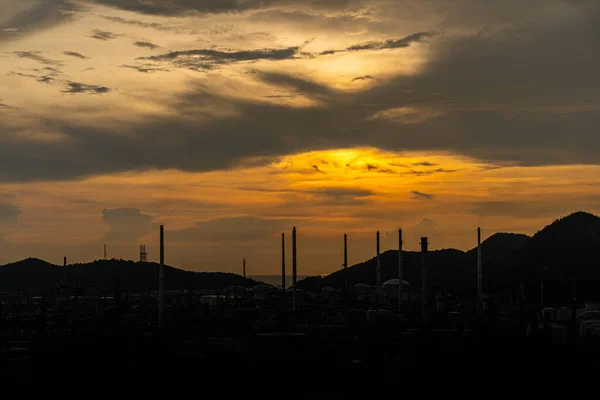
(232, 121)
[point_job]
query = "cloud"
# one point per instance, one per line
(145, 68)
(519, 208)
(31, 17)
(6, 107)
(422, 195)
(76, 87)
(153, 25)
(203, 59)
(403, 42)
(146, 45)
(363, 78)
(35, 56)
(102, 35)
(426, 228)
(74, 54)
(127, 224)
(185, 7)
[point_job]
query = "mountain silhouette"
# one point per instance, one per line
(37, 275)
(565, 251)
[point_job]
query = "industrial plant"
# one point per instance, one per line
(394, 312)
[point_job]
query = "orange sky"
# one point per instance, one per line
(231, 125)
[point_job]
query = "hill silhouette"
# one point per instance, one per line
(565, 251)
(37, 275)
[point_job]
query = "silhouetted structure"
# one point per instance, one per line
(479, 271)
(143, 253)
(378, 280)
(294, 269)
(400, 272)
(424, 283)
(161, 280)
(283, 261)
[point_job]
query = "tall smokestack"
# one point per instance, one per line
(65, 262)
(424, 285)
(345, 262)
(479, 272)
(400, 272)
(283, 261)
(244, 268)
(294, 268)
(161, 279)
(378, 282)
(105, 253)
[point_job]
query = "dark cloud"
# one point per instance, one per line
(6, 107)
(209, 58)
(127, 224)
(147, 45)
(404, 42)
(342, 196)
(102, 35)
(422, 195)
(185, 7)
(153, 25)
(523, 96)
(425, 164)
(363, 78)
(76, 87)
(74, 54)
(35, 56)
(45, 79)
(145, 68)
(38, 16)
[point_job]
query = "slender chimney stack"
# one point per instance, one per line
(400, 272)
(105, 253)
(161, 279)
(65, 261)
(294, 268)
(424, 284)
(378, 282)
(244, 268)
(345, 262)
(479, 272)
(283, 261)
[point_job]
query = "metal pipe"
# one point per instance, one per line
(345, 262)
(378, 282)
(424, 286)
(479, 272)
(400, 272)
(294, 304)
(283, 261)
(161, 280)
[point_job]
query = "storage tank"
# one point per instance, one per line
(549, 314)
(589, 314)
(592, 306)
(586, 324)
(564, 314)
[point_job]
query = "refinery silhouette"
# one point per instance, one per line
(511, 298)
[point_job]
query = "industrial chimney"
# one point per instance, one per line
(345, 262)
(143, 253)
(294, 268)
(161, 279)
(424, 285)
(283, 262)
(65, 262)
(244, 268)
(400, 272)
(479, 272)
(378, 282)
(105, 253)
